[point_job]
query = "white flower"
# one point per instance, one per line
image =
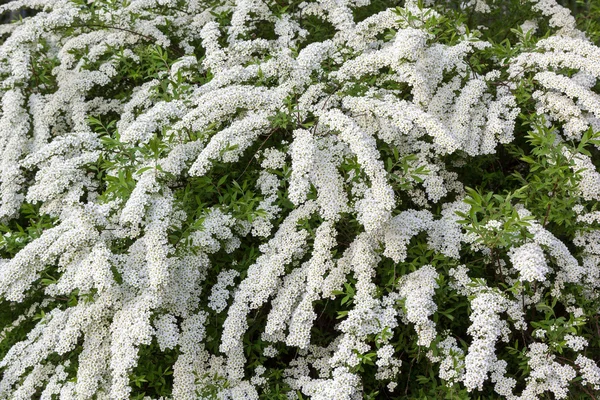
(589, 370)
(219, 293)
(530, 261)
(418, 289)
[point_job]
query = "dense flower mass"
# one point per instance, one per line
(286, 199)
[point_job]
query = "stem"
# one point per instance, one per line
(408, 379)
(112, 27)
(497, 259)
(410, 370)
(261, 146)
(314, 130)
(550, 204)
(587, 391)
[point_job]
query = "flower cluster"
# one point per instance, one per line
(282, 199)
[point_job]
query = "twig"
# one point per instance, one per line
(324, 307)
(113, 27)
(261, 146)
(322, 108)
(550, 204)
(409, 371)
(587, 391)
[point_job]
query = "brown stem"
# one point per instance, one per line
(408, 379)
(587, 391)
(524, 313)
(322, 108)
(297, 110)
(261, 146)
(550, 204)
(113, 27)
(497, 259)
(409, 371)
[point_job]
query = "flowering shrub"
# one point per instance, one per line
(285, 199)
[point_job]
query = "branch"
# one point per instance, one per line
(112, 27)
